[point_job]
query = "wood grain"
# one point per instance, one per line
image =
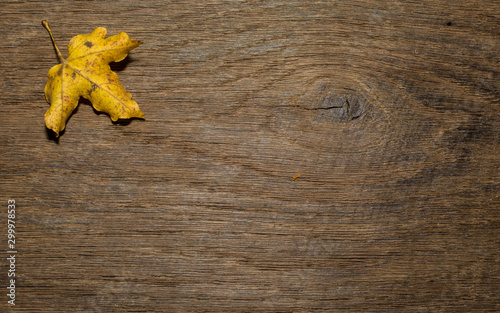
(389, 110)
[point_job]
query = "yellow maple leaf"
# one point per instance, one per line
(86, 73)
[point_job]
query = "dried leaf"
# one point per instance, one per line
(86, 73)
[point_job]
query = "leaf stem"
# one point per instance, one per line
(46, 25)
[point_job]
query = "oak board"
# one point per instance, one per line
(388, 110)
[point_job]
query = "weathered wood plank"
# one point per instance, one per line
(388, 110)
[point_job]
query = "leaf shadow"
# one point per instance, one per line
(121, 122)
(120, 66)
(52, 136)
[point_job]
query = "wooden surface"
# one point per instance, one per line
(389, 110)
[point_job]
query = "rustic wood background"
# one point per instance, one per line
(389, 110)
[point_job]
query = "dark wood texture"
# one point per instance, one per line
(389, 110)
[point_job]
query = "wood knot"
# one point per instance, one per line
(341, 107)
(339, 103)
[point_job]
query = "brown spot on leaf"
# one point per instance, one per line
(89, 44)
(94, 87)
